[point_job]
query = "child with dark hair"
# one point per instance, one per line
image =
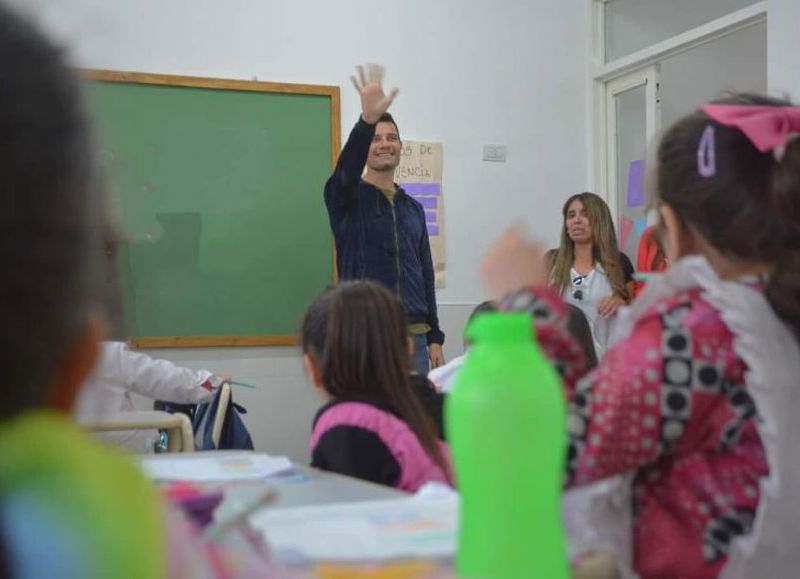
(579, 328)
(374, 426)
(68, 506)
(443, 376)
(696, 400)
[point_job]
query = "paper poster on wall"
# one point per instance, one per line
(641, 225)
(420, 175)
(625, 229)
(636, 184)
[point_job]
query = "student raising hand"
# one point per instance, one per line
(512, 262)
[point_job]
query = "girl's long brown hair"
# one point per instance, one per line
(605, 250)
(355, 332)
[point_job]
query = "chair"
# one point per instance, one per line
(178, 426)
(222, 409)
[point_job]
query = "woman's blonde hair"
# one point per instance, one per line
(605, 250)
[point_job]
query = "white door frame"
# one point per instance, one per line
(703, 34)
(648, 78)
(601, 73)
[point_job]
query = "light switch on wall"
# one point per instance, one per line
(494, 153)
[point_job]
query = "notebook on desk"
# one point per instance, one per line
(212, 467)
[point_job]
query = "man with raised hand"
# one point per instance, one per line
(380, 230)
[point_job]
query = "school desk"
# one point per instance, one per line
(309, 486)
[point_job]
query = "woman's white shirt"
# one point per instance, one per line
(593, 288)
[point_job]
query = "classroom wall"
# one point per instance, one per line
(636, 24)
(783, 47)
(470, 72)
(737, 62)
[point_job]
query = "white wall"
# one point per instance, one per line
(737, 62)
(783, 52)
(636, 24)
(470, 72)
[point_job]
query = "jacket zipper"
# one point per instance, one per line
(396, 246)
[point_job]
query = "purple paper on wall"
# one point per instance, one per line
(422, 188)
(636, 184)
(433, 230)
(428, 202)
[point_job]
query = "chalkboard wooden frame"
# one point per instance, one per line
(332, 92)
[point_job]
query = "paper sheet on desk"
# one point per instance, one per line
(420, 526)
(204, 468)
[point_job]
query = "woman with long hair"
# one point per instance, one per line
(588, 269)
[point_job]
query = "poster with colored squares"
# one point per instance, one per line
(420, 175)
(633, 214)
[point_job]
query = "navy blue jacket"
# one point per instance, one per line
(378, 241)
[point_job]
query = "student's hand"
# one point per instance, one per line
(374, 102)
(513, 262)
(436, 355)
(215, 382)
(609, 305)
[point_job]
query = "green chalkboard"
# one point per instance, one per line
(219, 186)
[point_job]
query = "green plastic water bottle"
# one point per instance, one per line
(506, 423)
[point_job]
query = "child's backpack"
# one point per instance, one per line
(217, 424)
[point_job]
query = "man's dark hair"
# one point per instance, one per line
(388, 118)
(52, 220)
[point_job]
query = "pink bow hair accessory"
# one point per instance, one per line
(768, 128)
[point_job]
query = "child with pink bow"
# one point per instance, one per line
(696, 401)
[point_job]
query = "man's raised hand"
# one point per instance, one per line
(369, 84)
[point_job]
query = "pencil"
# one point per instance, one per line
(235, 383)
(218, 529)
